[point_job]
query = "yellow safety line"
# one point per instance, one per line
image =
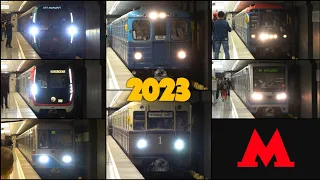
(23, 56)
(18, 109)
(235, 54)
(21, 175)
(112, 74)
(234, 110)
(113, 164)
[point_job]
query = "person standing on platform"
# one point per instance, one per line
(2, 29)
(224, 88)
(4, 92)
(9, 27)
(220, 35)
(6, 163)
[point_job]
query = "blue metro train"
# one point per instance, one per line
(264, 28)
(152, 39)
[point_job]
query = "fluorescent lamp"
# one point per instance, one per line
(219, 66)
(4, 66)
(236, 6)
(4, 125)
(235, 65)
(4, 6)
(20, 65)
(21, 6)
(21, 127)
(114, 7)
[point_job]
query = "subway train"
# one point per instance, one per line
(152, 39)
(156, 136)
(48, 88)
(48, 145)
(49, 29)
(263, 88)
(264, 28)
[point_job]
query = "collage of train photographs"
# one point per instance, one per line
(140, 89)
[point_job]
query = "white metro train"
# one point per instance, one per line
(263, 88)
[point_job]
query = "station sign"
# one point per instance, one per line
(160, 114)
(57, 71)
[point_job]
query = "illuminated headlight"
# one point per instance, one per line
(270, 36)
(142, 144)
(34, 89)
(34, 31)
(43, 159)
(71, 89)
(285, 36)
(162, 15)
(179, 144)
(72, 30)
(153, 15)
(281, 96)
(182, 55)
(66, 159)
(264, 36)
(138, 55)
(275, 36)
(256, 96)
(253, 36)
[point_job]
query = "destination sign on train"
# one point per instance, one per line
(160, 114)
(57, 71)
(51, 7)
(269, 70)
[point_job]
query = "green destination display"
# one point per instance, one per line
(53, 132)
(268, 70)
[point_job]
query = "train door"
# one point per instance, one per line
(160, 44)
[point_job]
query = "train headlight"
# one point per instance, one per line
(182, 55)
(142, 143)
(66, 159)
(72, 30)
(281, 96)
(256, 96)
(153, 15)
(285, 36)
(34, 89)
(137, 55)
(270, 36)
(162, 15)
(179, 144)
(44, 159)
(253, 36)
(264, 36)
(34, 30)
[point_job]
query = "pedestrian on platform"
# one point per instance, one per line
(6, 163)
(220, 35)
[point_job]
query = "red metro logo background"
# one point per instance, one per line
(275, 148)
(272, 148)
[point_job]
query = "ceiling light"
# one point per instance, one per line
(114, 7)
(4, 125)
(21, 6)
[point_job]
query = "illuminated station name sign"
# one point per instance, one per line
(51, 7)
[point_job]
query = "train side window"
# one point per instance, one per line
(179, 30)
(141, 30)
(138, 120)
(182, 121)
(43, 139)
(160, 30)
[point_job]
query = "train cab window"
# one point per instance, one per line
(269, 19)
(42, 80)
(182, 121)
(269, 79)
(53, 18)
(60, 139)
(179, 30)
(141, 30)
(43, 139)
(160, 121)
(58, 81)
(138, 120)
(160, 30)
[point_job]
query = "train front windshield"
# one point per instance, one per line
(55, 139)
(269, 19)
(269, 79)
(53, 17)
(160, 121)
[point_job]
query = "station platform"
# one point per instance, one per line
(117, 76)
(21, 167)
(119, 165)
(237, 49)
(21, 49)
(18, 108)
(233, 107)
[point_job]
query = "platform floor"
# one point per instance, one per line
(119, 165)
(237, 49)
(18, 109)
(231, 108)
(21, 49)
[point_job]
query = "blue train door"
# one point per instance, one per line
(160, 45)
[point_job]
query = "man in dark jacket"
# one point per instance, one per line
(9, 27)
(220, 35)
(4, 91)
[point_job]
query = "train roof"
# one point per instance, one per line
(144, 11)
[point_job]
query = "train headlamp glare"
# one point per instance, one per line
(281, 96)
(275, 36)
(142, 144)
(34, 89)
(162, 15)
(153, 15)
(253, 36)
(72, 30)
(285, 36)
(179, 144)
(256, 96)
(263, 36)
(182, 55)
(44, 159)
(66, 159)
(137, 55)
(34, 31)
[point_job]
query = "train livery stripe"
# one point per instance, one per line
(20, 48)
(116, 172)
